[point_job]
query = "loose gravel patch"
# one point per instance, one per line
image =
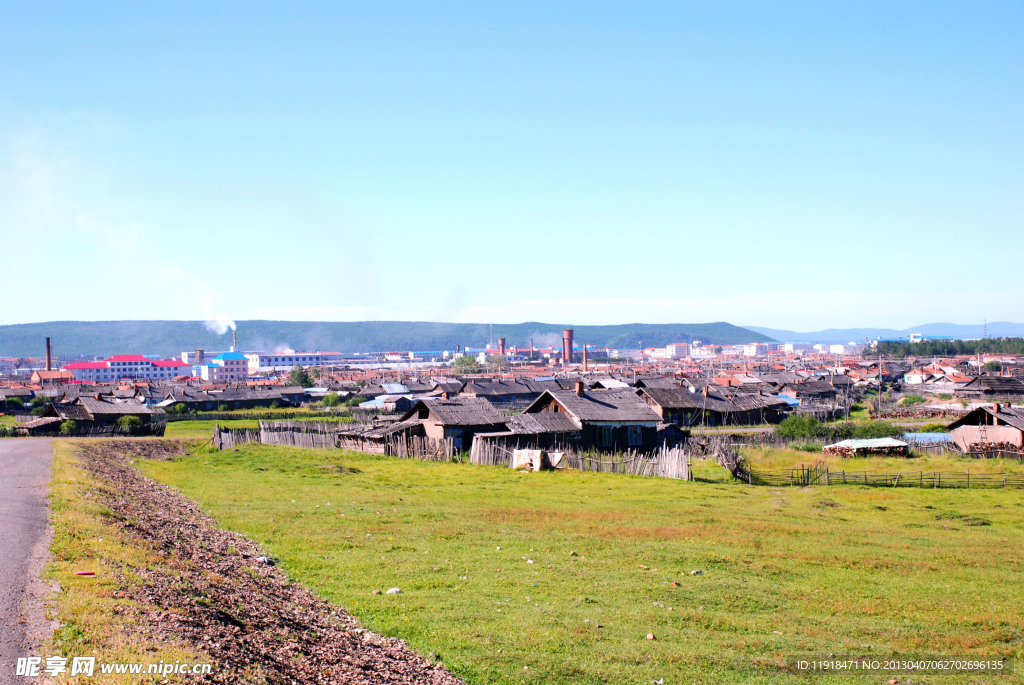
(215, 595)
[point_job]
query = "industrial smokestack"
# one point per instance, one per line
(501, 346)
(584, 358)
(234, 340)
(49, 356)
(567, 346)
(531, 348)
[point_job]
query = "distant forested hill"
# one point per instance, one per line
(169, 338)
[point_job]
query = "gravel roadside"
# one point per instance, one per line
(217, 596)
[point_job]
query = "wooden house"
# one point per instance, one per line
(992, 386)
(99, 411)
(682, 408)
(458, 418)
(608, 420)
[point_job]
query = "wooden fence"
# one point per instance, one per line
(662, 463)
(250, 415)
(314, 435)
(154, 429)
(820, 474)
(426, 449)
(921, 413)
(1001, 452)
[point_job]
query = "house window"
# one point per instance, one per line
(604, 436)
(635, 435)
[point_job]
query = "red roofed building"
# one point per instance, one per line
(133, 366)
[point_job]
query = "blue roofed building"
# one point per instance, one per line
(225, 368)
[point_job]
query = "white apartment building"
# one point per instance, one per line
(282, 361)
(128, 366)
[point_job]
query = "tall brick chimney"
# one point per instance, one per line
(49, 356)
(567, 346)
(501, 346)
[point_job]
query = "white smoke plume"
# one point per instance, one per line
(219, 324)
(283, 348)
(546, 339)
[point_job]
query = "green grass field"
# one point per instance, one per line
(203, 429)
(559, 576)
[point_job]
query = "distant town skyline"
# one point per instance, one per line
(798, 166)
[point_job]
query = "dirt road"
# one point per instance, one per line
(24, 539)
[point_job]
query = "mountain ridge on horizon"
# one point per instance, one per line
(997, 329)
(169, 337)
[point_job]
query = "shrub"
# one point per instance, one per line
(806, 446)
(331, 399)
(222, 407)
(37, 411)
(912, 399)
(807, 427)
(798, 426)
(275, 405)
(15, 403)
(68, 427)
(933, 428)
(132, 425)
(179, 408)
(944, 396)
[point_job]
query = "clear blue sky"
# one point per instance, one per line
(787, 164)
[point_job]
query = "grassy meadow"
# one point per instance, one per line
(559, 576)
(204, 429)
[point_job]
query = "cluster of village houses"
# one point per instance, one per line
(604, 406)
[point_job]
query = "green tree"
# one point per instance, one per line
(15, 403)
(466, 364)
(300, 377)
(497, 362)
(68, 427)
(331, 399)
(993, 366)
